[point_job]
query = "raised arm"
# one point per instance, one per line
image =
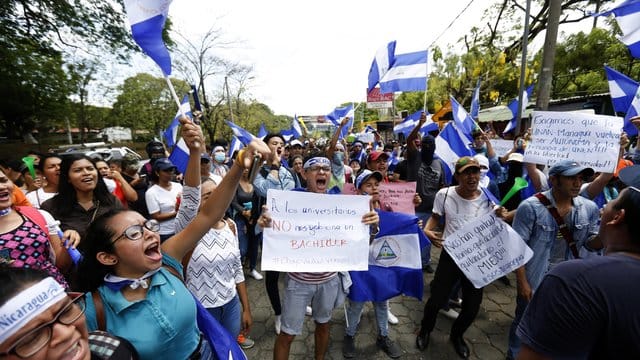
(335, 137)
(411, 145)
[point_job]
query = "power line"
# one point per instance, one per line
(451, 24)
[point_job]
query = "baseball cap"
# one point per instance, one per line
(515, 156)
(296, 142)
(630, 175)
(365, 175)
(466, 162)
(482, 160)
(205, 156)
(375, 155)
(163, 164)
(569, 168)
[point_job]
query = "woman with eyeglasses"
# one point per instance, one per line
(54, 326)
(162, 198)
(129, 272)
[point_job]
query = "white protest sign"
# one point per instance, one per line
(487, 249)
(315, 232)
(366, 137)
(591, 140)
(501, 147)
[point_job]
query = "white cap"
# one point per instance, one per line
(516, 157)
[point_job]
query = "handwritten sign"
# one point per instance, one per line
(487, 249)
(315, 232)
(501, 147)
(591, 140)
(396, 196)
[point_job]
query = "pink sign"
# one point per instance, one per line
(395, 196)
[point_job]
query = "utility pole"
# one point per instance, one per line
(548, 55)
(523, 66)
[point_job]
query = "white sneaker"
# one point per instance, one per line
(308, 311)
(451, 314)
(255, 274)
(392, 318)
(277, 324)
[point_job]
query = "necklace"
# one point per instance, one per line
(5, 212)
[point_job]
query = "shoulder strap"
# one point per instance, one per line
(34, 215)
(562, 226)
(99, 306)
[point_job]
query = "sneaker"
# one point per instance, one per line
(245, 342)
(451, 314)
(255, 274)
(349, 347)
(308, 311)
(277, 324)
(393, 320)
(389, 347)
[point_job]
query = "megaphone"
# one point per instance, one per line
(28, 160)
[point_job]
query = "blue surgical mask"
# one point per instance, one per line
(219, 157)
(339, 156)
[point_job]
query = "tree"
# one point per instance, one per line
(81, 75)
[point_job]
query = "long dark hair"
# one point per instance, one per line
(14, 280)
(67, 197)
(98, 239)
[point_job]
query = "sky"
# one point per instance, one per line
(311, 56)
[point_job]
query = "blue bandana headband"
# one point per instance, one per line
(318, 160)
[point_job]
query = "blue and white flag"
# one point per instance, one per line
(340, 113)
(381, 63)
(262, 132)
(408, 73)
(223, 344)
(180, 156)
(236, 145)
(622, 89)
(464, 122)
(450, 146)
(475, 102)
(513, 106)
(410, 122)
(634, 110)
(369, 129)
(628, 18)
(242, 134)
(171, 133)
(147, 18)
(295, 127)
(395, 266)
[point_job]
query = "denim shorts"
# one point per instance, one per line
(323, 298)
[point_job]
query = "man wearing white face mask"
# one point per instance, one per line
(218, 166)
(486, 180)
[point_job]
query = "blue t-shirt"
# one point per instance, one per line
(161, 326)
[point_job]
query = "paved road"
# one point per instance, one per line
(487, 337)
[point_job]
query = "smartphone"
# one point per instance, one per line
(255, 166)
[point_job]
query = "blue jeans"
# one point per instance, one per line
(354, 311)
(514, 340)
(243, 237)
(229, 315)
(425, 252)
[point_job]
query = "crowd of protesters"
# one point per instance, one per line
(150, 237)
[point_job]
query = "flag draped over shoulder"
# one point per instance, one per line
(395, 266)
(381, 63)
(408, 73)
(628, 18)
(147, 18)
(171, 133)
(513, 106)
(243, 135)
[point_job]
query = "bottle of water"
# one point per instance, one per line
(75, 255)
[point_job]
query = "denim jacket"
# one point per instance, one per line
(534, 223)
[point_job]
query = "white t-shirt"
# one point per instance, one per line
(160, 200)
(37, 197)
(459, 211)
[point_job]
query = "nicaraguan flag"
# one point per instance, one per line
(513, 106)
(147, 18)
(395, 266)
(475, 102)
(634, 110)
(340, 113)
(450, 146)
(622, 89)
(628, 18)
(171, 134)
(464, 123)
(408, 73)
(295, 127)
(381, 63)
(287, 135)
(223, 344)
(180, 156)
(242, 134)
(236, 145)
(262, 132)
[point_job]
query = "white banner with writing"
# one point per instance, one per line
(315, 232)
(487, 249)
(501, 147)
(591, 140)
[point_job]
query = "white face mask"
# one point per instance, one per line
(483, 172)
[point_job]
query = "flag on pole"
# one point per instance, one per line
(340, 113)
(634, 110)
(262, 132)
(410, 122)
(171, 133)
(196, 99)
(475, 102)
(622, 89)
(408, 73)
(147, 18)
(628, 18)
(381, 63)
(243, 135)
(395, 267)
(235, 145)
(513, 106)
(295, 127)
(450, 146)
(464, 123)
(180, 156)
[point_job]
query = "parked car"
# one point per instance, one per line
(98, 150)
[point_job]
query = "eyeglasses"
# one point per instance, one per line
(36, 339)
(318, 168)
(634, 188)
(135, 232)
